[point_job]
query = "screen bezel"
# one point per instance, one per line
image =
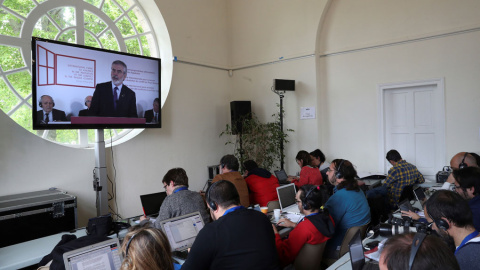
(35, 97)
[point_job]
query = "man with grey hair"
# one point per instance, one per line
(113, 98)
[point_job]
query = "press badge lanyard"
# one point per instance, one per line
(233, 209)
(468, 238)
(179, 189)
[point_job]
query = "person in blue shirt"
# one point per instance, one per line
(348, 204)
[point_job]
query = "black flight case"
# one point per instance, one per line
(28, 216)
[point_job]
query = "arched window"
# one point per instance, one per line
(120, 25)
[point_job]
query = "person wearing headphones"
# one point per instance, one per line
(431, 253)
(88, 101)
(348, 204)
(452, 219)
(460, 160)
(315, 228)
(147, 248)
(229, 171)
(238, 238)
(48, 114)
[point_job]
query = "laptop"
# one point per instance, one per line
(151, 203)
(286, 198)
(181, 232)
(357, 255)
(103, 255)
(282, 177)
(420, 194)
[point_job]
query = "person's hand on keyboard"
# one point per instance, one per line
(286, 223)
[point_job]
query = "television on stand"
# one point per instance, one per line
(80, 87)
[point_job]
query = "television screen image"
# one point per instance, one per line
(79, 87)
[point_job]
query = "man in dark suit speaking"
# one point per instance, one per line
(114, 99)
(48, 114)
(152, 116)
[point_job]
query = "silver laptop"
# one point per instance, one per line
(181, 231)
(104, 255)
(286, 198)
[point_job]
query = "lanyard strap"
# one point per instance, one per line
(233, 209)
(179, 189)
(466, 239)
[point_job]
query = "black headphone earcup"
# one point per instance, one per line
(442, 224)
(211, 203)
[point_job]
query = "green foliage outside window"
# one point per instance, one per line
(60, 24)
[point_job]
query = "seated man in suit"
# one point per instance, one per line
(113, 98)
(88, 102)
(153, 115)
(48, 113)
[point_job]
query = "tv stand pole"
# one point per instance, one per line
(100, 183)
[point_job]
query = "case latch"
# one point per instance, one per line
(58, 209)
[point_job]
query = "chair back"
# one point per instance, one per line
(348, 237)
(273, 205)
(407, 194)
(309, 257)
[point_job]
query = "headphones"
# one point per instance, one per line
(441, 223)
(211, 203)
(419, 237)
(305, 205)
(40, 104)
(128, 244)
(339, 173)
(462, 164)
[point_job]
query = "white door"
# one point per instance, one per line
(413, 117)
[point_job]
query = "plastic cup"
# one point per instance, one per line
(276, 214)
(264, 210)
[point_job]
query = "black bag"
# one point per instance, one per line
(100, 226)
(443, 174)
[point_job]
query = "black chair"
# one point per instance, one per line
(407, 194)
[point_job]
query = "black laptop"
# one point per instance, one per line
(151, 203)
(282, 177)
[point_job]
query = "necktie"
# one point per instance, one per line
(115, 98)
(156, 118)
(46, 118)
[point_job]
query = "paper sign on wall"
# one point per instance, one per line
(307, 112)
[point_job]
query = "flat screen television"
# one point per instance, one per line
(79, 87)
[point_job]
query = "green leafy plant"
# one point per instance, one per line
(259, 141)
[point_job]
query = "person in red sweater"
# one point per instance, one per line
(308, 174)
(262, 185)
(315, 228)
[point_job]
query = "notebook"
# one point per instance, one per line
(151, 203)
(286, 198)
(104, 255)
(181, 231)
(282, 177)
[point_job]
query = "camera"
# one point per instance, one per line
(396, 226)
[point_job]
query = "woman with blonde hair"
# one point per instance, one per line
(146, 248)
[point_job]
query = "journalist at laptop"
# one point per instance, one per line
(179, 201)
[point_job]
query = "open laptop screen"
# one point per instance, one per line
(104, 255)
(281, 175)
(286, 195)
(182, 231)
(151, 203)
(357, 257)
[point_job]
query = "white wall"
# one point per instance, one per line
(239, 33)
(348, 82)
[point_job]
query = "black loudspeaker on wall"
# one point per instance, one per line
(284, 85)
(239, 111)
